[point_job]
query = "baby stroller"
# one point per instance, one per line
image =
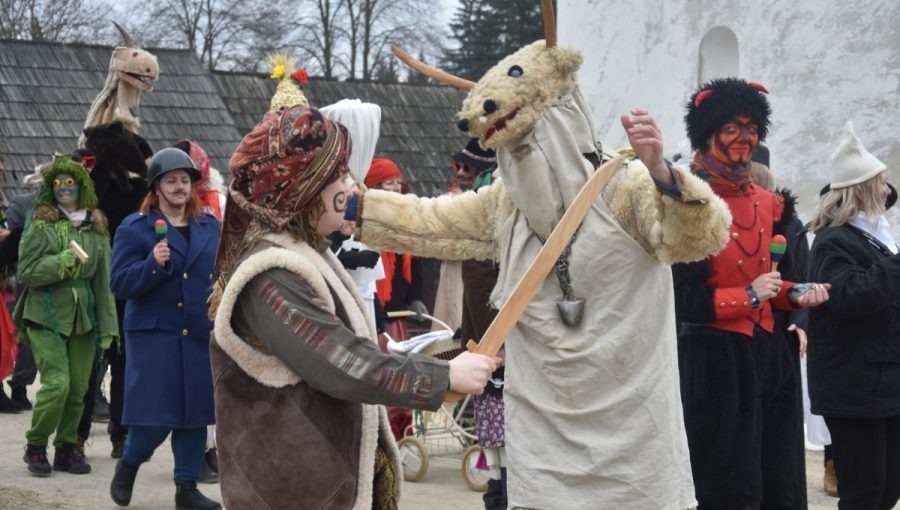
(447, 431)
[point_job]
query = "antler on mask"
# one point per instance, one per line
(431, 72)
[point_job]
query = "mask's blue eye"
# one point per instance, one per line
(515, 71)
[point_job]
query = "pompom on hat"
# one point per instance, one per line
(851, 163)
(289, 91)
(718, 101)
(278, 172)
(381, 170)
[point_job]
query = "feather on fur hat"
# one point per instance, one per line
(717, 101)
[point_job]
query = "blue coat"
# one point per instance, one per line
(168, 381)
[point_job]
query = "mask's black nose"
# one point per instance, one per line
(463, 125)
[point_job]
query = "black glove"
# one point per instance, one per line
(354, 259)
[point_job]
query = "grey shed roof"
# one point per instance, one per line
(46, 90)
(418, 122)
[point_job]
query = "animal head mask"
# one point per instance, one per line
(508, 100)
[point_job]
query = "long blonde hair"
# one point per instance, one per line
(762, 176)
(839, 206)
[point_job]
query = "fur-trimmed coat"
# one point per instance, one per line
(47, 300)
(284, 441)
(594, 413)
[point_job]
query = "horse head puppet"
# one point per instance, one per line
(132, 70)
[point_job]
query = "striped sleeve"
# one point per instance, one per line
(280, 313)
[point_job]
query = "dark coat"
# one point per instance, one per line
(168, 381)
(854, 347)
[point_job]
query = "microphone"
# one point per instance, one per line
(777, 248)
(161, 228)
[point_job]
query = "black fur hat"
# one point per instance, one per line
(717, 101)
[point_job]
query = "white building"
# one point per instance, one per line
(824, 62)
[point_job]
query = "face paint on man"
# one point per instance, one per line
(65, 189)
(339, 202)
(334, 198)
(734, 142)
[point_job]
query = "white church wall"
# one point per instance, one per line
(824, 62)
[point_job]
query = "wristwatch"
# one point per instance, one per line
(754, 299)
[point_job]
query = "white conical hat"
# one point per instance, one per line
(851, 163)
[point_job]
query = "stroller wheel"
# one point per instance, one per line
(413, 457)
(475, 478)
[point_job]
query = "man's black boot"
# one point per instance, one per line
(187, 497)
(123, 482)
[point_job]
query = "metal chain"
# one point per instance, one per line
(562, 271)
(562, 267)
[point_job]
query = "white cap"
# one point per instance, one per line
(851, 163)
(363, 120)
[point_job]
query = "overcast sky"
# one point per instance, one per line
(449, 7)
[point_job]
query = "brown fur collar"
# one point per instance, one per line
(51, 215)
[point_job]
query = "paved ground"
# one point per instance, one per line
(442, 488)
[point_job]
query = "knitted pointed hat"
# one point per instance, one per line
(851, 163)
(289, 91)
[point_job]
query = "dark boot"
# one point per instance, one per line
(493, 496)
(101, 410)
(212, 458)
(7, 405)
(69, 460)
(36, 458)
(209, 468)
(20, 396)
(123, 482)
(187, 497)
(118, 448)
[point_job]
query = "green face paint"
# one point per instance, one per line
(65, 189)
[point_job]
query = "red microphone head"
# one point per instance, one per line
(161, 227)
(777, 247)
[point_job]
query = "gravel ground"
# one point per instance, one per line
(441, 488)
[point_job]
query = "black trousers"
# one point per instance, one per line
(25, 370)
(867, 461)
(742, 417)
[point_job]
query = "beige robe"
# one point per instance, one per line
(593, 412)
(448, 302)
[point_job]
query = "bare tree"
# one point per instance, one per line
(319, 33)
(224, 34)
(51, 20)
(353, 35)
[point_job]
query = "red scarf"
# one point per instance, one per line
(384, 287)
(723, 179)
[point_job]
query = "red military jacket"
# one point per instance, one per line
(745, 257)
